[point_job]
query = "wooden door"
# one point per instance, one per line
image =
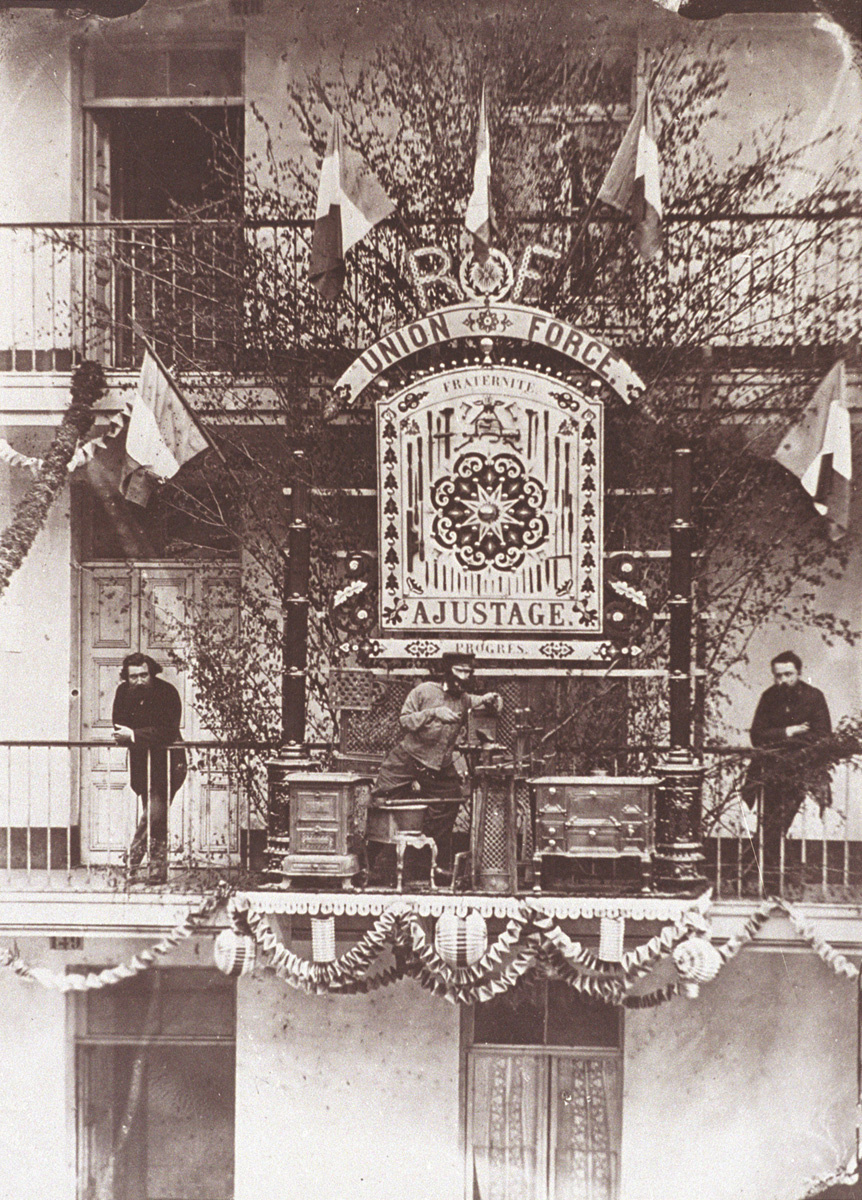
(543, 1124)
(129, 607)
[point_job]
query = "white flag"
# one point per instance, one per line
(161, 434)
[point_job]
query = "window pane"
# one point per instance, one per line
(131, 73)
(517, 1018)
(546, 1012)
(170, 1002)
(190, 1107)
(204, 73)
(576, 1020)
(124, 1008)
(126, 72)
(156, 1122)
(196, 1001)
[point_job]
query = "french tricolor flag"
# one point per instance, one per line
(479, 218)
(633, 182)
(350, 202)
(817, 450)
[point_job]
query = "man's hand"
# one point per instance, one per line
(447, 715)
(123, 734)
(796, 730)
(490, 700)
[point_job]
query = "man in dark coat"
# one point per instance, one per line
(791, 717)
(147, 714)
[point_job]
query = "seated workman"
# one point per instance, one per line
(423, 762)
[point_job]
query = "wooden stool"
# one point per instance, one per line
(418, 841)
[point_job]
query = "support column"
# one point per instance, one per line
(679, 851)
(293, 754)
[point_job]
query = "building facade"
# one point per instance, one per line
(159, 187)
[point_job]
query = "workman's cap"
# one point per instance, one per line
(452, 659)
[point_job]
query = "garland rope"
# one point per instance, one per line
(14, 458)
(31, 512)
(76, 982)
(531, 939)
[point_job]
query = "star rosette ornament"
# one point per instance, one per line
(489, 512)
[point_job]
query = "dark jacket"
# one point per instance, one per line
(789, 766)
(154, 712)
(779, 707)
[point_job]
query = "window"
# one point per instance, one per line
(163, 181)
(559, 125)
(544, 1096)
(190, 519)
(155, 1065)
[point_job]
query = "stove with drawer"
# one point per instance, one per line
(326, 814)
(593, 817)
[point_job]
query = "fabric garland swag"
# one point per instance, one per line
(531, 941)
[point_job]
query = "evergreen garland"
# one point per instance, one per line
(88, 386)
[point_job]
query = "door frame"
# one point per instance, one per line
(469, 1050)
(196, 787)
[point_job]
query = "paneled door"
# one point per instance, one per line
(127, 607)
(543, 1124)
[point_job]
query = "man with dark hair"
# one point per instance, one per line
(147, 714)
(791, 716)
(422, 763)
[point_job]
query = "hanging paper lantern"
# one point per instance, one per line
(323, 939)
(612, 930)
(234, 953)
(461, 941)
(697, 961)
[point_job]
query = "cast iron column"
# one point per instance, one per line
(293, 754)
(679, 853)
(294, 641)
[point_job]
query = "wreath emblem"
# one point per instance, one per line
(489, 512)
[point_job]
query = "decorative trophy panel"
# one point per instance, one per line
(490, 507)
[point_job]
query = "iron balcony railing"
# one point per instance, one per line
(67, 811)
(234, 294)
(68, 819)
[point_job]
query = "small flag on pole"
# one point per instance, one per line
(350, 202)
(479, 218)
(161, 434)
(633, 182)
(817, 450)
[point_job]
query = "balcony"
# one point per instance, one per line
(68, 817)
(232, 295)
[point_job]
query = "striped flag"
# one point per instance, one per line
(817, 450)
(350, 202)
(633, 182)
(479, 218)
(161, 434)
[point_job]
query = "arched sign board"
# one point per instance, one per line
(493, 320)
(490, 492)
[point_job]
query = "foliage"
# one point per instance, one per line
(88, 385)
(708, 329)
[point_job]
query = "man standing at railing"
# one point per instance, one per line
(791, 716)
(147, 714)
